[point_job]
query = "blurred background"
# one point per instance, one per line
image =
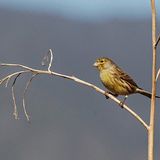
(70, 121)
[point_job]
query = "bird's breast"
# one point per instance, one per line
(113, 84)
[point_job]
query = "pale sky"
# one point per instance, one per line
(84, 9)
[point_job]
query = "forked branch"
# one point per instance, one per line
(35, 72)
(157, 41)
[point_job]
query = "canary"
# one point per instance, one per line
(116, 80)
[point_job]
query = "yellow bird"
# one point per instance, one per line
(116, 80)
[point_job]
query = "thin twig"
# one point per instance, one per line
(17, 65)
(15, 112)
(7, 81)
(24, 93)
(48, 58)
(51, 59)
(158, 73)
(36, 71)
(157, 41)
(8, 77)
(104, 93)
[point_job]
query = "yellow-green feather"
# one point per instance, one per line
(112, 83)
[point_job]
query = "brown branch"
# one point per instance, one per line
(73, 78)
(153, 106)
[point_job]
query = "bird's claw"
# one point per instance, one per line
(106, 97)
(122, 102)
(111, 94)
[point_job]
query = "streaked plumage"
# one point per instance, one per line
(116, 80)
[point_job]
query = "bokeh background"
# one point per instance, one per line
(70, 121)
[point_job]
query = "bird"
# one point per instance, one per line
(116, 80)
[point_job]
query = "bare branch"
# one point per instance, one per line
(8, 77)
(17, 65)
(7, 81)
(48, 58)
(158, 73)
(157, 41)
(104, 93)
(24, 93)
(15, 112)
(153, 99)
(51, 59)
(36, 71)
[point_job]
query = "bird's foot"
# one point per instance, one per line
(111, 94)
(122, 102)
(106, 97)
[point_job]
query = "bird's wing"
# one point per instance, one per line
(124, 76)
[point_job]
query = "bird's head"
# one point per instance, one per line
(103, 63)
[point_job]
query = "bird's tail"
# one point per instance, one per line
(145, 93)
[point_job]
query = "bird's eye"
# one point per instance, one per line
(101, 61)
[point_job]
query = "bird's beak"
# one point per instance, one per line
(95, 64)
